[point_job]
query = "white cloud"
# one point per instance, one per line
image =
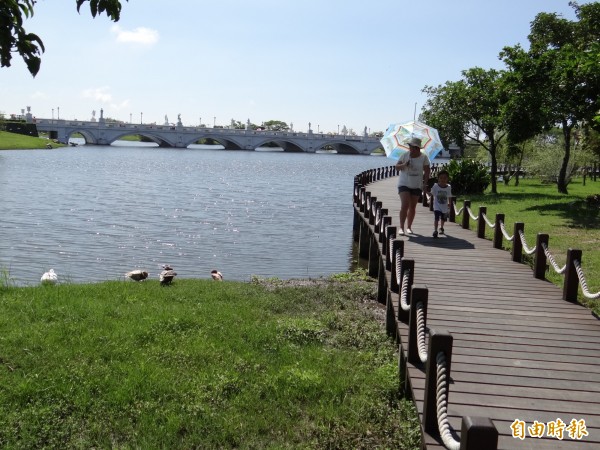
(100, 94)
(140, 35)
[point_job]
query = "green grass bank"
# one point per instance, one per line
(15, 141)
(200, 364)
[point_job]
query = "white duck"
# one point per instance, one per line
(137, 275)
(49, 277)
(216, 275)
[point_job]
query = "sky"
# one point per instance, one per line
(330, 63)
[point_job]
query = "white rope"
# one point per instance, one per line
(421, 332)
(391, 244)
(506, 235)
(404, 291)
(442, 404)
(529, 251)
(583, 283)
(558, 270)
(457, 211)
(378, 218)
(489, 224)
(398, 266)
(473, 216)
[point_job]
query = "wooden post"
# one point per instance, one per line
(390, 233)
(373, 209)
(539, 261)
(465, 213)
(420, 294)
(373, 257)
(439, 341)
(571, 282)
(452, 212)
(478, 433)
(407, 264)
(517, 247)
(481, 222)
(397, 249)
(382, 285)
(356, 226)
(385, 221)
(498, 231)
(363, 240)
(390, 318)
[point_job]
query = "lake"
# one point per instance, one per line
(93, 213)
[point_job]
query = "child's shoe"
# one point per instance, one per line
(435, 234)
(442, 230)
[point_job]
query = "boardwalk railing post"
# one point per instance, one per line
(382, 284)
(481, 222)
(376, 206)
(517, 247)
(390, 234)
(366, 202)
(407, 264)
(397, 254)
(478, 433)
(571, 282)
(373, 265)
(363, 240)
(539, 264)
(385, 221)
(419, 297)
(452, 212)
(439, 341)
(498, 231)
(465, 214)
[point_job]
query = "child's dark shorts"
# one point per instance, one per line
(440, 216)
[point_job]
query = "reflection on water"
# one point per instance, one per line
(94, 212)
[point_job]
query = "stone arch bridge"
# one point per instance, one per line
(103, 133)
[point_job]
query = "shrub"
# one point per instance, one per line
(468, 176)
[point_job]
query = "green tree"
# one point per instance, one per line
(276, 125)
(470, 109)
(558, 78)
(15, 39)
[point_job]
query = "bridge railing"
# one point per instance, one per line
(197, 129)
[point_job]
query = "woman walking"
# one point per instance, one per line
(414, 167)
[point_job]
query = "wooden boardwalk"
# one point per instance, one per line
(520, 352)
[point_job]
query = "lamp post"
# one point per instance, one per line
(141, 118)
(130, 118)
(318, 128)
(58, 112)
(52, 113)
(214, 121)
(338, 129)
(200, 120)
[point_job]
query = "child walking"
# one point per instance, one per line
(440, 192)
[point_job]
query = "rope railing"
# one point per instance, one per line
(529, 251)
(488, 222)
(421, 332)
(473, 216)
(583, 282)
(457, 212)
(557, 269)
(505, 233)
(442, 403)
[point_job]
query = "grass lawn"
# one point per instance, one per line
(15, 141)
(200, 364)
(568, 220)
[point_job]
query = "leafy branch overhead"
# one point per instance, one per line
(15, 39)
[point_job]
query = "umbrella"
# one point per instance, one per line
(395, 140)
